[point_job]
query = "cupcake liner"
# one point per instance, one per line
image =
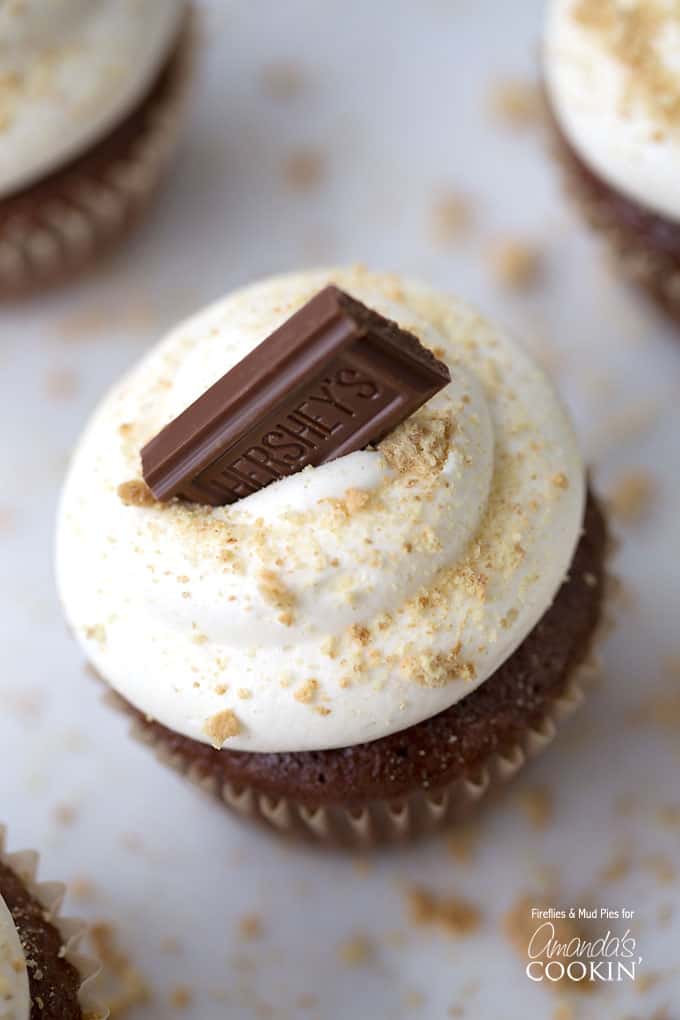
(390, 821)
(63, 225)
(50, 895)
(649, 267)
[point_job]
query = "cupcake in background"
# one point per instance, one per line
(41, 973)
(360, 650)
(89, 113)
(612, 82)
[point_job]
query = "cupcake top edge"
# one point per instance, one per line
(70, 72)
(343, 602)
(612, 74)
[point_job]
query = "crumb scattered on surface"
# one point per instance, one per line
(516, 264)
(181, 997)
(632, 496)
(304, 169)
(515, 102)
(251, 927)
(356, 951)
(136, 493)
(451, 216)
(221, 726)
(307, 691)
(283, 81)
(538, 806)
(455, 915)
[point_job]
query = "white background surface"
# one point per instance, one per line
(396, 97)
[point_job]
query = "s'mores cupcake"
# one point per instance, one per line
(612, 81)
(90, 102)
(41, 973)
(332, 544)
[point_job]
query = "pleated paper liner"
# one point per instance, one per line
(63, 224)
(50, 895)
(626, 227)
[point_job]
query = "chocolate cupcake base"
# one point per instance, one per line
(61, 225)
(59, 977)
(430, 775)
(645, 246)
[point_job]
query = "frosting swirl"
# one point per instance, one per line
(612, 72)
(15, 999)
(70, 71)
(344, 602)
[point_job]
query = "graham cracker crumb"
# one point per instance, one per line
(220, 727)
(515, 102)
(181, 997)
(276, 593)
(516, 264)
(283, 81)
(456, 916)
(360, 634)
(307, 692)
(560, 480)
(65, 814)
(420, 445)
(356, 951)
(450, 217)
(250, 927)
(538, 806)
(136, 493)
(632, 496)
(304, 169)
(430, 670)
(356, 499)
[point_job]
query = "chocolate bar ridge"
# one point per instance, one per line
(269, 415)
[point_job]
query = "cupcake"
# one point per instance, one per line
(41, 974)
(359, 650)
(613, 90)
(89, 112)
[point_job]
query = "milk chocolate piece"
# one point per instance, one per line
(333, 378)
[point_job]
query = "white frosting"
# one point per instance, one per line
(70, 70)
(178, 605)
(15, 998)
(614, 128)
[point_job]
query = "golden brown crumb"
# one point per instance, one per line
(538, 806)
(450, 216)
(356, 951)
(61, 384)
(250, 927)
(307, 691)
(617, 868)
(304, 169)
(515, 102)
(420, 445)
(456, 916)
(276, 593)
(220, 727)
(82, 889)
(360, 634)
(564, 1011)
(560, 480)
(181, 997)
(65, 814)
(283, 81)
(516, 264)
(437, 670)
(136, 493)
(632, 496)
(356, 499)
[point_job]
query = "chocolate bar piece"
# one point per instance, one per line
(334, 378)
